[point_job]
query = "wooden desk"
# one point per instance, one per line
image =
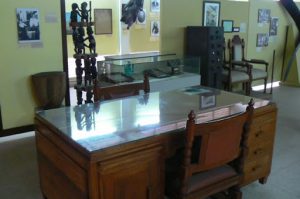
(116, 149)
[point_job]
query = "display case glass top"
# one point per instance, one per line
(97, 126)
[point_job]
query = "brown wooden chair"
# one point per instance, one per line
(232, 74)
(212, 158)
(237, 54)
(120, 90)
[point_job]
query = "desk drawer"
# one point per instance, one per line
(260, 150)
(256, 169)
(262, 133)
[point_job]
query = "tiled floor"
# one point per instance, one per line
(19, 177)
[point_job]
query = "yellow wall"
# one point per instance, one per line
(141, 34)
(276, 43)
(173, 24)
(109, 44)
(18, 63)
(105, 44)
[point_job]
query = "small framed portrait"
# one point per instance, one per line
(236, 29)
(227, 25)
(274, 26)
(103, 21)
(28, 25)
(262, 40)
(211, 13)
(155, 28)
(264, 15)
(155, 5)
(207, 101)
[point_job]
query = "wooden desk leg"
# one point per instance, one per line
(263, 180)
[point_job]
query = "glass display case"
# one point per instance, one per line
(158, 68)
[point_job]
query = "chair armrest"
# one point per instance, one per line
(243, 64)
(257, 61)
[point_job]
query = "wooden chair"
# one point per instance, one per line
(212, 158)
(232, 75)
(237, 54)
(120, 90)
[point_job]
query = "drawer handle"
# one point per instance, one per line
(258, 134)
(256, 168)
(258, 151)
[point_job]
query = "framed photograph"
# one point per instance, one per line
(211, 13)
(262, 40)
(28, 25)
(227, 25)
(274, 26)
(236, 29)
(264, 15)
(155, 5)
(155, 28)
(207, 101)
(103, 21)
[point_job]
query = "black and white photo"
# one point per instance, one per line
(155, 5)
(274, 26)
(28, 25)
(155, 28)
(262, 40)
(264, 15)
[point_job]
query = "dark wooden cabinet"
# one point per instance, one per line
(207, 43)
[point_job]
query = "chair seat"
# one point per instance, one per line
(203, 179)
(236, 76)
(258, 74)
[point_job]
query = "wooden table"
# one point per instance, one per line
(116, 149)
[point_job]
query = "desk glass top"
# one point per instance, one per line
(106, 124)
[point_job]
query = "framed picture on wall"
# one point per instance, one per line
(274, 26)
(264, 15)
(227, 25)
(211, 13)
(28, 25)
(262, 40)
(155, 5)
(155, 28)
(103, 21)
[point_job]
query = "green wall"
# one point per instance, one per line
(19, 62)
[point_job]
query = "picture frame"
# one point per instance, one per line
(103, 21)
(264, 16)
(211, 13)
(274, 26)
(28, 25)
(155, 28)
(207, 101)
(262, 40)
(227, 25)
(155, 5)
(236, 29)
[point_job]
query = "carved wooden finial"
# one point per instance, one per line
(250, 105)
(191, 115)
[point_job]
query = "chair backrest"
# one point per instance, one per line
(121, 90)
(236, 48)
(211, 145)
